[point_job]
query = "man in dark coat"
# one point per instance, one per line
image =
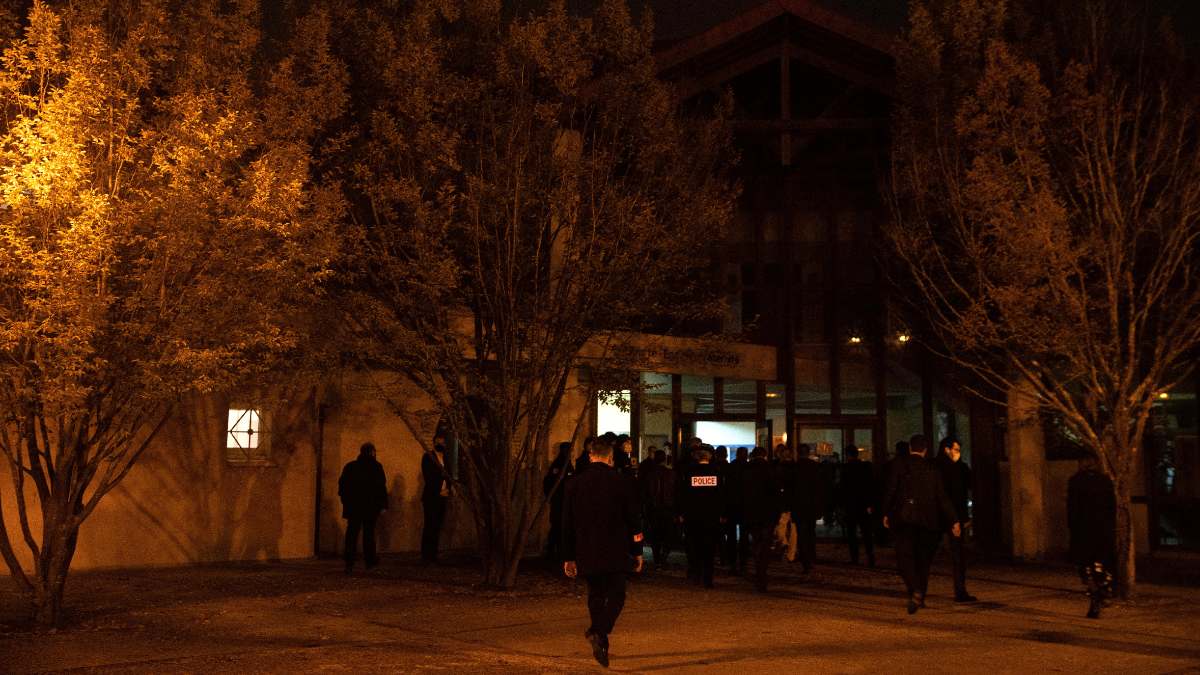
(915, 506)
(857, 491)
(554, 488)
(702, 498)
(363, 490)
(658, 494)
(760, 510)
(434, 496)
(806, 504)
(956, 474)
(1091, 517)
(602, 541)
(735, 547)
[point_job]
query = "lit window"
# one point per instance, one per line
(245, 441)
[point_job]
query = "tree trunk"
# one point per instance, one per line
(1126, 573)
(58, 549)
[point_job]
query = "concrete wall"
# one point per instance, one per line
(183, 503)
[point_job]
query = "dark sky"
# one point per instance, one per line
(676, 19)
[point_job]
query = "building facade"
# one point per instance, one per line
(810, 354)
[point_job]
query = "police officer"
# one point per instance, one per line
(701, 504)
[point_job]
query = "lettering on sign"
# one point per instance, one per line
(669, 356)
(704, 481)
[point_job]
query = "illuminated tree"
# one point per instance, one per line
(521, 188)
(158, 228)
(1046, 178)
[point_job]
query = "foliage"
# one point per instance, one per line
(522, 188)
(1046, 184)
(158, 230)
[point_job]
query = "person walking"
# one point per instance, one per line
(702, 503)
(658, 481)
(760, 511)
(957, 476)
(735, 544)
(434, 496)
(1091, 518)
(785, 530)
(806, 505)
(915, 505)
(554, 487)
(602, 541)
(362, 488)
(857, 492)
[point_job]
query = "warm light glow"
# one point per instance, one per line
(854, 339)
(772, 394)
(903, 337)
(1164, 395)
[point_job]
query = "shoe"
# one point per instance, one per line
(1094, 608)
(599, 647)
(965, 597)
(915, 602)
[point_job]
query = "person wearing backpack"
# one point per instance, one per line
(915, 505)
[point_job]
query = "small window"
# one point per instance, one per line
(245, 437)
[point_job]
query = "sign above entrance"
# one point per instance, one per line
(692, 356)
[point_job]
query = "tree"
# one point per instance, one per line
(523, 188)
(1046, 184)
(150, 179)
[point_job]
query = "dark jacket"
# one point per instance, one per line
(704, 493)
(658, 486)
(732, 474)
(857, 489)
(760, 493)
(363, 488)
(916, 480)
(434, 475)
(806, 493)
(556, 477)
(957, 477)
(601, 525)
(1091, 517)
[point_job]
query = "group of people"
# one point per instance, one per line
(750, 507)
(362, 488)
(605, 503)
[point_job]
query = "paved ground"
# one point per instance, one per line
(306, 616)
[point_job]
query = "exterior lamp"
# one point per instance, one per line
(903, 338)
(1162, 395)
(854, 339)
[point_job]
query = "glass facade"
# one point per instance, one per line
(1173, 459)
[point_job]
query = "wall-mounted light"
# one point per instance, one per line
(854, 339)
(903, 338)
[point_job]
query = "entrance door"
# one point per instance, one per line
(827, 443)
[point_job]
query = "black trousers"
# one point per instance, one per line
(806, 540)
(435, 514)
(736, 547)
(760, 542)
(367, 526)
(866, 522)
(606, 598)
(915, 547)
(702, 548)
(554, 538)
(958, 555)
(662, 533)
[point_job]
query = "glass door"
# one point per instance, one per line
(827, 443)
